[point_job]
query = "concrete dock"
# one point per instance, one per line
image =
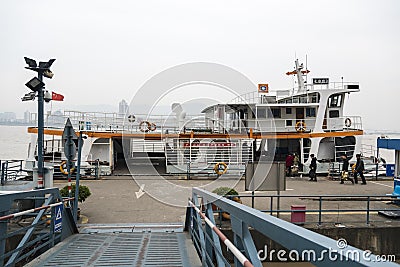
(114, 200)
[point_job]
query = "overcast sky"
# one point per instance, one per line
(106, 50)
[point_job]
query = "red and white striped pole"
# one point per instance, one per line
(239, 255)
(40, 181)
(17, 214)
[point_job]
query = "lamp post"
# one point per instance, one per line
(36, 84)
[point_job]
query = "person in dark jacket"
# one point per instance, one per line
(359, 169)
(313, 168)
(345, 171)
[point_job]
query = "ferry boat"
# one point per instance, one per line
(263, 125)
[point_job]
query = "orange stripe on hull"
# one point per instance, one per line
(159, 136)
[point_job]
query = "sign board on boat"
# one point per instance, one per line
(263, 88)
(320, 80)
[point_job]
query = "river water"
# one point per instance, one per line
(14, 142)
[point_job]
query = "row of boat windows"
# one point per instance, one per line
(334, 101)
(263, 113)
(312, 98)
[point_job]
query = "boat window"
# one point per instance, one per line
(261, 113)
(335, 101)
(288, 110)
(289, 101)
(275, 113)
(333, 113)
(310, 112)
(303, 99)
(289, 123)
(314, 98)
(295, 100)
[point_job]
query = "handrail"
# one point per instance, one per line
(239, 255)
(288, 235)
(322, 199)
(45, 230)
(17, 214)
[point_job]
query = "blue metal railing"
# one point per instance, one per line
(29, 224)
(319, 206)
(10, 170)
(317, 249)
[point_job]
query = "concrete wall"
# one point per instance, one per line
(379, 240)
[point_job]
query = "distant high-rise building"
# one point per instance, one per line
(123, 107)
(27, 117)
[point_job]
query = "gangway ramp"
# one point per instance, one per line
(116, 246)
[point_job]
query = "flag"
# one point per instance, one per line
(57, 97)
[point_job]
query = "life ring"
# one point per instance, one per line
(220, 168)
(347, 122)
(64, 168)
(146, 128)
(131, 118)
(300, 126)
(152, 127)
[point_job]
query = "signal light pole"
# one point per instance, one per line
(37, 85)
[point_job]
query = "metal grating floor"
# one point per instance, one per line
(120, 249)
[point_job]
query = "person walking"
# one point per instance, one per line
(359, 169)
(296, 164)
(345, 171)
(313, 169)
(289, 164)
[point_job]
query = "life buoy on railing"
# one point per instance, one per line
(144, 126)
(300, 126)
(220, 168)
(347, 122)
(64, 168)
(152, 127)
(131, 118)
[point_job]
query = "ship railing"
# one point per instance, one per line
(114, 122)
(259, 98)
(247, 98)
(169, 124)
(334, 86)
(11, 170)
(201, 155)
(272, 125)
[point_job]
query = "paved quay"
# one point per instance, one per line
(114, 199)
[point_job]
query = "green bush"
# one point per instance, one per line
(224, 191)
(84, 192)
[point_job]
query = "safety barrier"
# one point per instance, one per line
(31, 222)
(10, 170)
(318, 249)
(317, 210)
